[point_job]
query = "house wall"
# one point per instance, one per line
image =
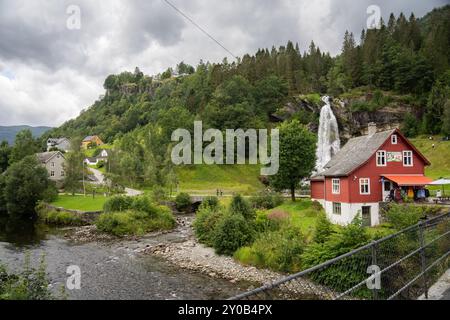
(350, 211)
(370, 170)
(317, 191)
(55, 164)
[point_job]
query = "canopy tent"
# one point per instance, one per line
(409, 181)
(441, 182)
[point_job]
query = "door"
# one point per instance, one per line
(366, 216)
(387, 186)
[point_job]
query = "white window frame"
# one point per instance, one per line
(364, 181)
(408, 154)
(394, 139)
(336, 186)
(384, 153)
(337, 208)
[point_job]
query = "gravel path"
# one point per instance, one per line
(101, 179)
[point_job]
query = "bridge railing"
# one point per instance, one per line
(400, 266)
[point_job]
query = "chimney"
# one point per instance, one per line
(372, 128)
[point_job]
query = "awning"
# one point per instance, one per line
(440, 182)
(410, 181)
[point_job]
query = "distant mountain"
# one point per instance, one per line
(8, 133)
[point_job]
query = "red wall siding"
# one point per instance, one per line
(370, 170)
(317, 189)
(343, 196)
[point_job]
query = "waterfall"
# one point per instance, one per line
(328, 143)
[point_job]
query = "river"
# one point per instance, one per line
(110, 270)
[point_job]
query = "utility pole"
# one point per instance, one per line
(84, 185)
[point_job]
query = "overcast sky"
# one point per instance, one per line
(49, 72)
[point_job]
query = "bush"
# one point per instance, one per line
(324, 228)
(240, 206)
(158, 194)
(30, 284)
(266, 200)
(278, 250)
(117, 203)
(205, 223)
(232, 232)
(135, 222)
(144, 204)
(402, 216)
(269, 222)
(183, 202)
(211, 202)
(60, 218)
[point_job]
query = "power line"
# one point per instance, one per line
(200, 28)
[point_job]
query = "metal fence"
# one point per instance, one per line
(401, 266)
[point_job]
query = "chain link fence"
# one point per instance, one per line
(401, 266)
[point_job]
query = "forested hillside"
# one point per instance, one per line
(406, 59)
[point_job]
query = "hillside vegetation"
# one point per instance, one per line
(407, 57)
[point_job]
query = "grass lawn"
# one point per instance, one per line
(439, 158)
(301, 213)
(206, 179)
(79, 202)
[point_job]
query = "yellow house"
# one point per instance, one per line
(91, 140)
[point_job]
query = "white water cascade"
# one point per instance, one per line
(329, 143)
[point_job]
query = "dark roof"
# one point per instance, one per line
(46, 156)
(355, 153)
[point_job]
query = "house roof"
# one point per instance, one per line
(57, 140)
(358, 151)
(89, 138)
(44, 157)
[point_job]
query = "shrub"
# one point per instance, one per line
(316, 206)
(205, 223)
(135, 222)
(183, 201)
(232, 232)
(212, 202)
(278, 250)
(144, 204)
(402, 216)
(29, 284)
(60, 218)
(266, 200)
(240, 206)
(117, 203)
(266, 222)
(158, 194)
(324, 228)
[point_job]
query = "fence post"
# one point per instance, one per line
(423, 257)
(374, 263)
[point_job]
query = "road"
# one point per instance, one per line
(100, 179)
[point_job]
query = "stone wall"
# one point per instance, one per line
(85, 216)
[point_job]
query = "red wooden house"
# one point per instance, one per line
(363, 173)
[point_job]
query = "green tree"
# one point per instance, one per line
(73, 170)
(297, 156)
(5, 152)
(26, 183)
(24, 145)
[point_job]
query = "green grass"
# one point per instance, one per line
(206, 179)
(79, 202)
(301, 215)
(91, 152)
(439, 158)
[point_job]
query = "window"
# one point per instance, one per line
(62, 173)
(364, 186)
(381, 159)
(52, 173)
(53, 164)
(336, 208)
(336, 186)
(394, 139)
(407, 158)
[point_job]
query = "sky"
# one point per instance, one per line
(55, 54)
